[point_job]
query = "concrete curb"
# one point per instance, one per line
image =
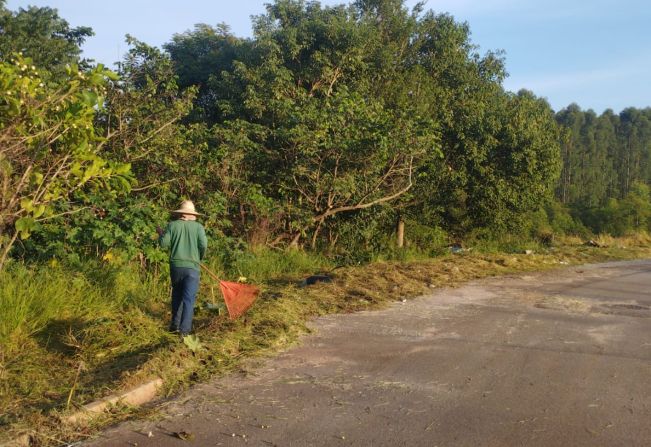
(136, 396)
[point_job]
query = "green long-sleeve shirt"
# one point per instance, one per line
(186, 241)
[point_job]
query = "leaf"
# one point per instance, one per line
(24, 226)
(37, 178)
(38, 211)
(27, 204)
(90, 98)
(192, 342)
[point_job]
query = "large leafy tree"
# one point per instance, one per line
(139, 125)
(40, 34)
(522, 165)
(497, 165)
(320, 136)
(335, 110)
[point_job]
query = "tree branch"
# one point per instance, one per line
(361, 206)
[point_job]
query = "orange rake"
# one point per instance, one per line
(238, 297)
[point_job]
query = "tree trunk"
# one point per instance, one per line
(400, 232)
(316, 234)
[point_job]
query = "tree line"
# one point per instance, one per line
(327, 129)
(606, 168)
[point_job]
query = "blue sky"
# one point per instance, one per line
(596, 53)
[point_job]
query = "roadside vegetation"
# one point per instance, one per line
(366, 141)
(97, 334)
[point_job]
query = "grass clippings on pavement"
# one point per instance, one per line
(70, 362)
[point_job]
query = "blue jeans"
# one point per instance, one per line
(185, 284)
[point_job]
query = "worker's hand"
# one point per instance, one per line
(160, 231)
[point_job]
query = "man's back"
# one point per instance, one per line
(187, 242)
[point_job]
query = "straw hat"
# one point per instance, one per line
(187, 207)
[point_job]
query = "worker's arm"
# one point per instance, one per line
(203, 242)
(164, 238)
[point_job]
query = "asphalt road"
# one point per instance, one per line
(560, 358)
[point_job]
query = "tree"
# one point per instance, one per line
(603, 156)
(199, 57)
(335, 110)
(636, 207)
(140, 125)
(140, 121)
(43, 36)
(319, 139)
(48, 145)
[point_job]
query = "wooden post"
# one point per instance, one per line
(400, 232)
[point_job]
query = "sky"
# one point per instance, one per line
(596, 53)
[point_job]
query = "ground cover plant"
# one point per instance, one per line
(102, 332)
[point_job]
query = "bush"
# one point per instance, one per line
(426, 239)
(562, 222)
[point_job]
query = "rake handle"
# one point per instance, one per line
(213, 275)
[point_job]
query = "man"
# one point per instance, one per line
(185, 238)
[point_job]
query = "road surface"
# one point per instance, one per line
(561, 358)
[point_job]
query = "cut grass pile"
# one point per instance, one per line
(67, 338)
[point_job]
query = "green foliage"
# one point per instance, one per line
(562, 221)
(487, 240)
(331, 143)
(117, 231)
(41, 35)
(329, 111)
(636, 207)
(622, 217)
(326, 113)
(193, 343)
(86, 292)
(140, 120)
(432, 241)
(49, 145)
(605, 163)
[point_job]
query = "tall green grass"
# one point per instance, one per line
(104, 319)
(266, 264)
(33, 297)
(57, 320)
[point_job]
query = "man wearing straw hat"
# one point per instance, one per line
(185, 238)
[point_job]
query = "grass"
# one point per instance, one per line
(69, 337)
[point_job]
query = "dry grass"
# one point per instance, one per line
(110, 360)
